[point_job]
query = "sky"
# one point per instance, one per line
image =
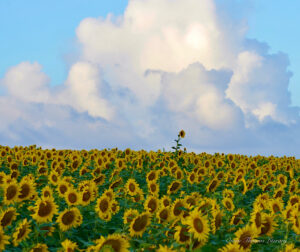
(102, 74)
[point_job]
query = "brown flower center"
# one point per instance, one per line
(183, 237)
(72, 197)
(245, 240)
(198, 225)
(63, 188)
(140, 223)
(174, 186)
(25, 190)
(131, 187)
(7, 218)
(45, 209)
(11, 192)
(68, 218)
(21, 232)
(103, 205)
(115, 244)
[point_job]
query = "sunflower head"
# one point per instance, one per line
(69, 218)
(116, 242)
(246, 236)
(8, 216)
(139, 224)
(44, 210)
(22, 232)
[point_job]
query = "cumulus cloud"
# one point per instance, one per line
(161, 66)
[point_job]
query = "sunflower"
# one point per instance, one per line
(139, 196)
(100, 179)
(47, 192)
(72, 197)
(47, 230)
(181, 134)
(152, 176)
(198, 225)
(165, 248)
(192, 178)
(237, 217)
(177, 210)
(116, 242)
(22, 232)
(129, 215)
(40, 247)
(282, 180)
(14, 174)
(163, 214)
(217, 220)
(232, 247)
(43, 170)
(27, 189)
(182, 235)
(190, 200)
(116, 183)
(83, 170)
(153, 188)
(69, 246)
(11, 192)
(290, 248)
(165, 201)
(212, 186)
(3, 239)
(69, 218)
(279, 193)
(2, 178)
(267, 187)
(174, 187)
(221, 175)
(246, 236)
(8, 216)
(276, 205)
(227, 193)
(109, 193)
(294, 199)
(44, 210)
(131, 187)
(86, 196)
(53, 177)
(139, 224)
(62, 187)
(257, 219)
(179, 174)
(115, 206)
(295, 219)
(151, 204)
(103, 207)
(257, 172)
(268, 225)
(228, 204)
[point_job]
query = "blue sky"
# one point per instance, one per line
(44, 31)
(67, 76)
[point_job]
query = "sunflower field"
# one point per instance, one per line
(114, 200)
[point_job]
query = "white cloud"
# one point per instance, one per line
(26, 82)
(162, 66)
(83, 91)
